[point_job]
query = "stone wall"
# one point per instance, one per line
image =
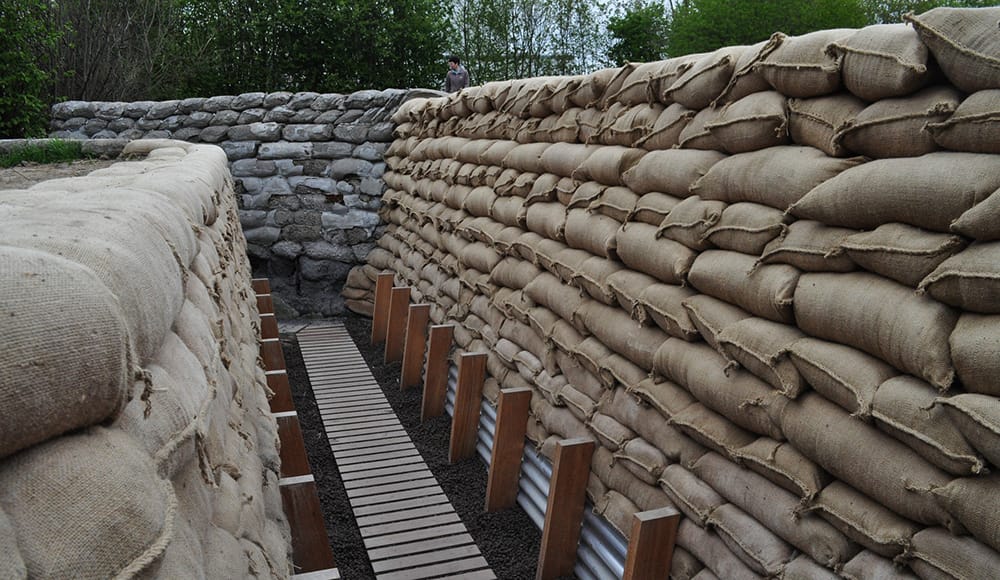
(308, 170)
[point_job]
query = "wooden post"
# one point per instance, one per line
(395, 331)
(268, 326)
(651, 547)
(277, 381)
(436, 372)
(380, 315)
(270, 352)
(261, 285)
(415, 345)
(468, 401)
(264, 304)
(564, 512)
(508, 448)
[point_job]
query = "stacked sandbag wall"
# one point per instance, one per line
(764, 279)
(308, 170)
(135, 433)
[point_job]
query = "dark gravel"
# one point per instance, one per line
(508, 540)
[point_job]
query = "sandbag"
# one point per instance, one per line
(713, 552)
(746, 227)
(695, 135)
(652, 207)
(689, 221)
(758, 345)
(710, 315)
(758, 547)
(595, 233)
(666, 130)
(746, 79)
(974, 352)
(864, 520)
(810, 246)
(800, 67)
(937, 554)
(666, 260)
(664, 396)
(973, 125)
(969, 280)
(757, 121)
(978, 418)
(607, 165)
(705, 80)
(711, 429)
(882, 61)
(765, 291)
(671, 171)
(844, 375)
(643, 459)
(964, 44)
(664, 305)
(784, 466)
(695, 498)
(882, 318)
(870, 566)
(814, 122)
(900, 252)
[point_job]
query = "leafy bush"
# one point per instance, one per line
(23, 82)
(45, 151)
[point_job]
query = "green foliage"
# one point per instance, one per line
(891, 11)
(24, 82)
(639, 34)
(705, 25)
(45, 151)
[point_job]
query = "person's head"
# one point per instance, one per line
(453, 62)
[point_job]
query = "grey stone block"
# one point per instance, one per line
(305, 116)
(251, 219)
(137, 109)
(345, 188)
(191, 105)
(157, 134)
(302, 234)
(276, 99)
(302, 100)
(251, 185)
(370, 151)
(162, 110)
(280, 268)
(327, 101)
(199, 119)
(219, 103)
(351, 116)
(342, 168)
(69, 109)
(93, 126)
(121, 124)
(287, 249)
(330, 116)
(109, 111)
(285, 150)
(254, 115)
(355, 218)
(372, 186)
(381, 132)
(190, 134)
(255, 131)
(236, 150)
(147, 124)
(307, 185)
(360, 251)
(378, 170)
(307, 217)
(264, 236)
(351, 133)
(131, 134)
(74, 123)
(213, 134)
(313, 167)
(173, 122)
(307, 132)
(326, 270)
(255, 201)
(258, 251)
(280, 114)
(280, 217)
(225, 117)
(332, 150)
(323, 250)
(289, 202)
(321, 201)
(363, 99)
(252, 168)
(276, 185)
(247, 101)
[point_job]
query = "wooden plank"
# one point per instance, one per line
(346, 414)
(294, 460)
(282, 399)
(468, 402)
(310, 544)
(392, 488)
(508, 448)
(564, 512)
(265, 305)
(380, 316)
(405, 504)
(410, 514)
(395, 334)
(363, 435)
(428, 489)
(411, 536)
(427, 558)
(437, 569)
(375, 449)
(260, 285)
(367, 444)
(651, 544)
(399, 468)
(415, 345)
(420, 546)
(477, 575)
(343, 462)
(344, 426)
(385, 463)
(268, 326)
(388, 479)
(270, 353)
(436, 372)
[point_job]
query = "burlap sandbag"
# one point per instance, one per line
(595, 233)
(643, 459)
(666, 130)
(652, 208)
(973, 126)
(973, 500)
(804, 568)
(881, 317)
(864, 520)
(765, 291)
(866, 459)
(800, 67)
(705, 80)
(758, 547)
(711, 429)
(814, 122)
(695, 135)
(663, 304)
(640, 85)
(543, 189)
(670, 172)
(112, 517)
(509, 211)
(897, 127)
(710, 315)
(689, 221)
(810, 246)
(870, 566)
(783, 465)
(904, 407)
(592, 275)
(695, 498)
(746, 227)
(937, 554)
(974, 345)
(514, 273)
(901, 252)
(548, 291)
(746, 80)
(929, 191)
(620, 333)
(632, 126)
(969, 280)
(758, 346)
(607, 165)
(558, 420)
(964, 44)
(666, 260)
(754, 122)
(66, 336)
(617, 203)
(842, 374)
(978, 418)
(581, 379)
(618, 510)
(882, 61)
(777, 177)
(610, 433)
(583, 194)
(738, 395)
(713, 552)
(776, 509)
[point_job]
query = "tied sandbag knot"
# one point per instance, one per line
(146, 378)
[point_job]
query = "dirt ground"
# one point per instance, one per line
(25, 176)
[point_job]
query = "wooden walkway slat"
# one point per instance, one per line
(409, 527)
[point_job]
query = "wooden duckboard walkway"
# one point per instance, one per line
(408, 526)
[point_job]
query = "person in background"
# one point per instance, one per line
(457, 78)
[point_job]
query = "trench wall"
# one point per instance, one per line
(308, 174)
(763, 279)
(135, 433)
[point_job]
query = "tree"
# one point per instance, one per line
(639, 34)
(24, 83)
(705, 25)
(891, 11)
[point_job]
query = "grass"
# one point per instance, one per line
(44, 151)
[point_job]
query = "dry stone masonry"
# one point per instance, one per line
(308, 170)
(764, 279)
(135, 433)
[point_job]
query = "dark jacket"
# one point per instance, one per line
(456, 80)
